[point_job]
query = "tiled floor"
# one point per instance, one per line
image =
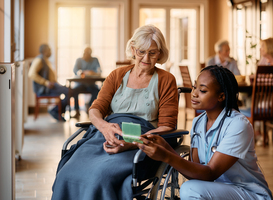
(44, 138)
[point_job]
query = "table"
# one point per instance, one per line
(245, 87)
(245, 92)
(86, 79)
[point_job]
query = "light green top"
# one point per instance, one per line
(140, 102)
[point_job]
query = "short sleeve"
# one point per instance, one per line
(237, 137)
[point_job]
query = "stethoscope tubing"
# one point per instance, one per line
(213, 148)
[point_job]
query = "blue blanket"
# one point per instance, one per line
(87, 172)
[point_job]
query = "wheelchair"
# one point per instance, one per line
(152, 180)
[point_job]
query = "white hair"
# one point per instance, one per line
(142, 39)
(219, 44)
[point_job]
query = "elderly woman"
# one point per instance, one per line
(141, 93)
(266, 51)
(222, 57)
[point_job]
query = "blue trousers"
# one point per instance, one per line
(196, 189)
(80, 88)
(58, 90)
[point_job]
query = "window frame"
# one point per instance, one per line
(123, 23)
(202, 46)
(255, 30)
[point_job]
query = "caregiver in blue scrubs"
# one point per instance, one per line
(223, 161)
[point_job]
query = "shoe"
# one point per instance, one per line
(77, 115)
(260, 141)
(55, 115)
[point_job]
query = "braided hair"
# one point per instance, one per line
(228, 85)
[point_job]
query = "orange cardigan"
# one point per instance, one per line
(167, 91)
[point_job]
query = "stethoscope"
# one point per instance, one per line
(210, 147)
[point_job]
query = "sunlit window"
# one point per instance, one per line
(76, 31)
(263, 19)
(71, 39)
(180, 38)
(246, 39)
(183, 40)
(103, 36)
(155, 16)
(240, 40)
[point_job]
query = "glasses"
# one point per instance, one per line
(152, 54)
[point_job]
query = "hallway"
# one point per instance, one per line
(44, 138)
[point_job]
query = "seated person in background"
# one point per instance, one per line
(222, 57)
(223, 162)
(266, 52)
(45, 81)
(101, 168)
(86, 66)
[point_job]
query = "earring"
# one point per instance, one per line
(134, 57)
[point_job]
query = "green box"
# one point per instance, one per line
(131, 132)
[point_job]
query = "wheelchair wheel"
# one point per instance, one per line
(170, 179)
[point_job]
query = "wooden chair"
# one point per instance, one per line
(123, 63)
(262, 98)
(187, 83)
(46, 101)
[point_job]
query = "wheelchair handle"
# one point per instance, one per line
(184, 89)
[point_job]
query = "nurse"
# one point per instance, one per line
(223, 162)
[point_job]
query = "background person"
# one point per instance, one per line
(87, 66)
(45, 81)
(139, 93)
(266, 52)
(222, 57)
(223, 161)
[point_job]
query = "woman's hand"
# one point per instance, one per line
(110, 149)
(109, 130)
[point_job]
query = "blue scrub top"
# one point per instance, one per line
(236, 138)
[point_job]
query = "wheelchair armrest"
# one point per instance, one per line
(184, 90)
(172, 134)
(83, 124)
(166, 135)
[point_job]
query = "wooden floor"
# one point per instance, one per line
(43, 141)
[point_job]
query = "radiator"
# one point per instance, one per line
(19, 108)
(7, 131)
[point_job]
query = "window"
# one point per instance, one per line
(181, 37)
(86, 25)
(264, 14)
(245, 38)
(18, 30)
(11, 43)
(103, 37)
(70, 39)
(5, 34)
(252, 21)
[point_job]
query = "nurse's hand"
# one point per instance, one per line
(157, 140)
(154, 146)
